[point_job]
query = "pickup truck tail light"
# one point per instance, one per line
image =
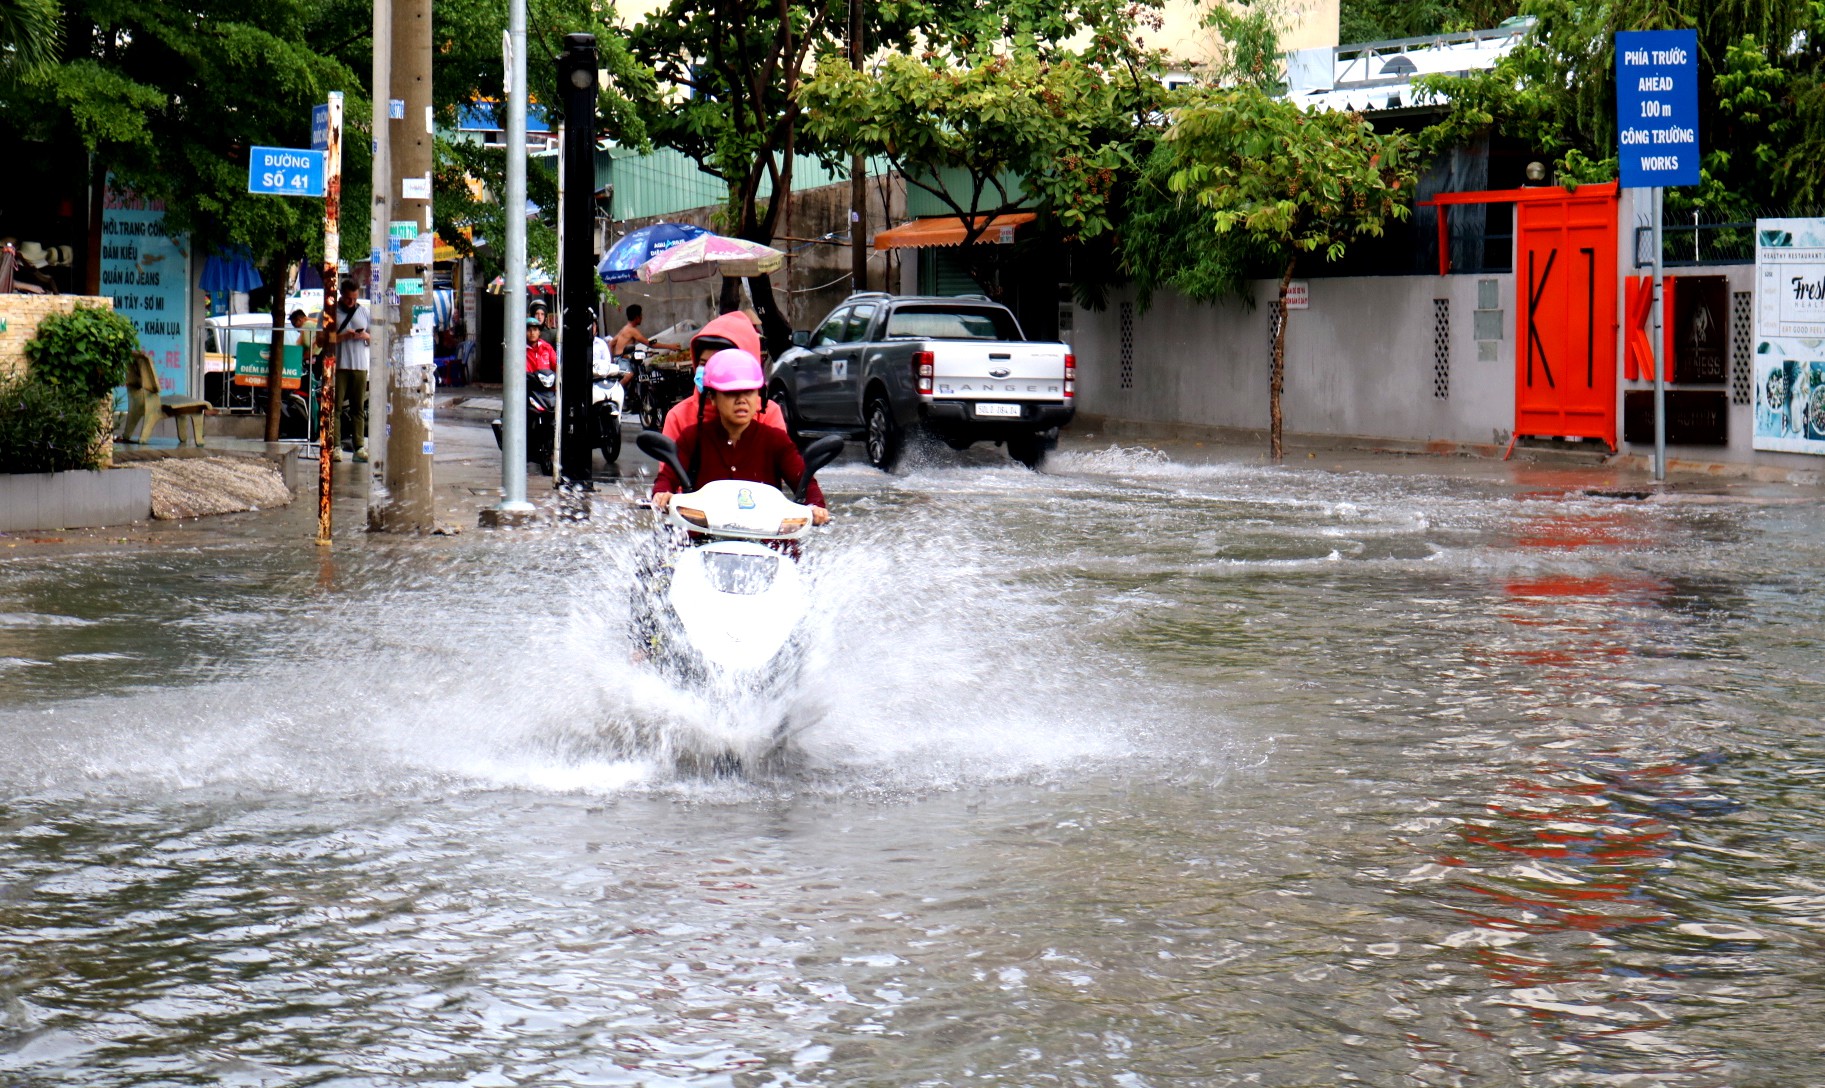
(1070, 375)
(923, 369)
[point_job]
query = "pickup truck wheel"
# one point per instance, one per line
(884, 438)
(1028, 449)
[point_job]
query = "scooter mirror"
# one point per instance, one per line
(664, 450)
(817, 455)
(801, 338)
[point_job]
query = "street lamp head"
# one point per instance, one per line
(582, 78)
(1536, 172)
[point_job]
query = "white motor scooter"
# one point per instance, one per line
(722, 610)
(607, 399)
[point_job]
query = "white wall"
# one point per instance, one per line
(1359, 362)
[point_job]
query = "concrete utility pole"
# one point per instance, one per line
(513, 508)
(380, 273)
(577, 78)
(858, 174)
(411, 371)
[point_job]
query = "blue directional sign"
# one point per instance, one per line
(285, 171)
(1657, 107)
(320, 127)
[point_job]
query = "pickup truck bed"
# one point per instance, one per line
(888, 368)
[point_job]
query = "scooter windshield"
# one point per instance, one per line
(745, 575)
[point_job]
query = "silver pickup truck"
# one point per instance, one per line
(892, 368)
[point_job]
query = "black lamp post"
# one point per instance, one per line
(577, 78)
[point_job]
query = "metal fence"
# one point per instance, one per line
(1707, 238)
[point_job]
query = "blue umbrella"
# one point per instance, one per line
(230, 270)
(631, 250)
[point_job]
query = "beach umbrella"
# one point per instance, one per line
(711, 255)
(622, 261)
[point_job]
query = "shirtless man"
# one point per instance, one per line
(630, 335)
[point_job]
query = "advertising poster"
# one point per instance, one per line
(148, 276)
(1790, 335)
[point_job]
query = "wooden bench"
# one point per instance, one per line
(145, 405)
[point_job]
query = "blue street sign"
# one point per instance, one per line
(285, 171)
(320, 127)
(1657, 107)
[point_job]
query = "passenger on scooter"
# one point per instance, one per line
(540, 355)
(725, 444)
(728, 331)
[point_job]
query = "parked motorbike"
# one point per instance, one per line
(608, 400)
(725, 605)
(660, 389)
(541, 419)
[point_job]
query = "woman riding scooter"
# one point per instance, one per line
(732, 330)
(724, 442)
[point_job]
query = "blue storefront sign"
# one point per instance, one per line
(1657, 107)
(285, 171)
(147, 273)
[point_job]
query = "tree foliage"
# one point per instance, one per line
(468, 73)
(1379, 20)
(1761, 95)
(737, 67)
(30, 33)
(1020, 128)
(169, 96)
(1291, 183)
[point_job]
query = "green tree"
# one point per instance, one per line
(732, 70)
(169, 97)
(1018, 128)
(1379, 20)
(1290, 183)
(1761, 95)
(30, 33)
(468, 73)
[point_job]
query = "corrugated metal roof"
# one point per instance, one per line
(667, 181)
(956, 182)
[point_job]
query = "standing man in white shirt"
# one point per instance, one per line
(352, 339)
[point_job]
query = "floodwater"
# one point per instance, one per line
(1136, 773)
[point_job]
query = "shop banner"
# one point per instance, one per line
(1790, 335)
(147, 274)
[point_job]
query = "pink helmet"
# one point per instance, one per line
(733, 369)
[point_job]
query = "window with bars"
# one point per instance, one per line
(1742, 346)
(1127, 355)
(1441, 348)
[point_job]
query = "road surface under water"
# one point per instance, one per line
(1135, 773)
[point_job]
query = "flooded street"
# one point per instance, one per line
(1136, 773)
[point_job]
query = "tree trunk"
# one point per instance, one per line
(775, 327)
(1277, 382)
(278, 276)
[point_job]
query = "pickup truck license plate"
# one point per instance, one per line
(1005, 411)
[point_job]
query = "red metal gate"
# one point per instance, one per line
(1565, 306)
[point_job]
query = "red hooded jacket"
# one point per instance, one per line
(737, 330)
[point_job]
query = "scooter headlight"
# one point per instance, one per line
(695, 517)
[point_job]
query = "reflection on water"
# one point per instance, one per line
(1138, 773)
